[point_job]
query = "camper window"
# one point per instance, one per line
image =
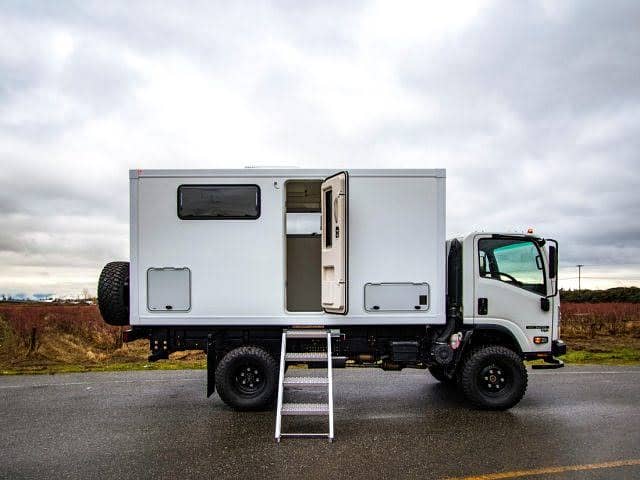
(218, 202)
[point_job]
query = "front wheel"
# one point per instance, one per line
(246, 378)
(493, 378)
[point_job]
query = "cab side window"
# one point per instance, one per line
(516, 262)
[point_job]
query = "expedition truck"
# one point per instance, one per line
(227, 260)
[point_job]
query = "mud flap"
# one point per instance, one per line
(211, 366)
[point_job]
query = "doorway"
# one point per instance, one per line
(303, 246)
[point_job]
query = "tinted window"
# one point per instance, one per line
(517, 262)
(217, 202)
(328, 212)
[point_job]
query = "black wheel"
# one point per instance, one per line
(113, 293)
(493, 378)
(246, 378)
(439, 374)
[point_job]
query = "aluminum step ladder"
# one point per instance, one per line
(304, 381)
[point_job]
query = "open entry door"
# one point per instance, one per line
(335, 243)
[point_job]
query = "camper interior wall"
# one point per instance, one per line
(238, 268)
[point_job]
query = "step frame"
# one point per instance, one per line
(282, 409)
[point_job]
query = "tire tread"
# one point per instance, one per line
(468, 370)
(111, 293)
(225, 391)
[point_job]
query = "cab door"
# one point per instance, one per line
(335, 243)
(511, 289)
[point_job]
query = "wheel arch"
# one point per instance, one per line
(497, 335)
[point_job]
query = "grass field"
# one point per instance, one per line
(601, 332)
(50, 338)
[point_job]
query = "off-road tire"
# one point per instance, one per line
(234, 364)
(438, 374)
(113, 293)
(472, 378)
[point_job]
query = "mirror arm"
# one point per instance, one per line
(555, 268)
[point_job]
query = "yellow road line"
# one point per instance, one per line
(550, 470)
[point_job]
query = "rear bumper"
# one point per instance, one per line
(558, 347)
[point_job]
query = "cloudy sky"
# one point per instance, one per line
(532, 107)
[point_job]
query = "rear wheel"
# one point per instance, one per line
(493, 378)
(439, 374)
(246, 378)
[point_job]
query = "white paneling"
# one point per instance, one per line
(237, 266)
(394, 237)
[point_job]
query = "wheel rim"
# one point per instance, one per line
(249, 379)
(494, 379)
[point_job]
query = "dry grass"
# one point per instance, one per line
(589, 320)
(36, 338)
(601, 332)
(43, 335)
(29, 320)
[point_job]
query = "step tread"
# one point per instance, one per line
(307, 333)
(306, 381)
(306, 356)
(305, 409)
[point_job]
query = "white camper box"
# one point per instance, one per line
(269, 262)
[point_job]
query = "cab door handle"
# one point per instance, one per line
(483, 306)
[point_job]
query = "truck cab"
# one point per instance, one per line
(511, 286)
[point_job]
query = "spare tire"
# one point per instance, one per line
(113, 293)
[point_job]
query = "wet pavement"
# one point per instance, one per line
(159, 424)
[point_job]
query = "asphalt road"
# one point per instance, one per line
(388, 425)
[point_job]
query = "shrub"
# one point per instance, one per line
(591, 319)
(29, 321)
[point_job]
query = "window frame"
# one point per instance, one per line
(489, 273)
(218, 217)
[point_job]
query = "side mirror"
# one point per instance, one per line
(545, 305)
(483, 265)
(553, 261)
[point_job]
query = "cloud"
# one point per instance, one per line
(533, 108)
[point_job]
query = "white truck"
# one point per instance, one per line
(225, 260)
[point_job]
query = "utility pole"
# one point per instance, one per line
(580, 265)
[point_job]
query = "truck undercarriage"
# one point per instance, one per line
(386, 347)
